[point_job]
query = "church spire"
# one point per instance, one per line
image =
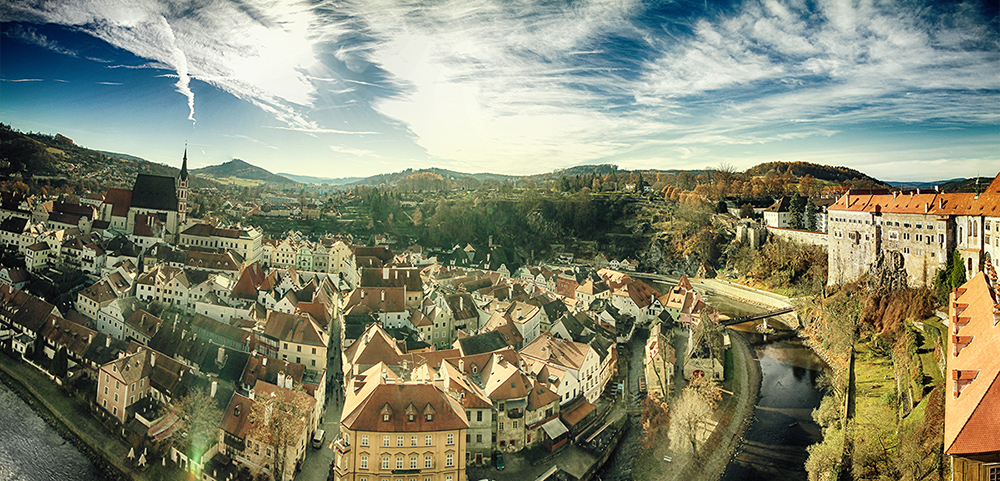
(184, 165)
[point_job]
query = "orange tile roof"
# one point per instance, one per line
(367, 412)
(972, 419)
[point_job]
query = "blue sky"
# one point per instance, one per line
(901, 90)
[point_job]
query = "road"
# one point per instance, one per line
(316, 466)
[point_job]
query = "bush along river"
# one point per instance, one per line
(31, 450)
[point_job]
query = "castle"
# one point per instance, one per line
(914, 231)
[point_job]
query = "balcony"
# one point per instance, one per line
(515, 413)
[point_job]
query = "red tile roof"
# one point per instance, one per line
(972, 417)
(367, 412)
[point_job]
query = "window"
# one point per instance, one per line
(501, 425)
(413, 440)
(385, 462)
(298, 348)
(314, 350)
(449, 478)
(116, 397)
(451, 439)
(105, 390)
(429, 417)
(411, 418)
(114, 410)
(364, 440)
(399, 462)
(385, 417)
(385, 441)
(364, 461)
(399, 441)
(427, 440)
(994, 473)
(479, 438)
(413, 461)
(479, 415)
(428, 461)
(449, 460)
(514, 424)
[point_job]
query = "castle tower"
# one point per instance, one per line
(182, 190)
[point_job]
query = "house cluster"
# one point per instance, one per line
(497, 362)
(914, 231)
(683, 308)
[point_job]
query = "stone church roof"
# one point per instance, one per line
(157, 192)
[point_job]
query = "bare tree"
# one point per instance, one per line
(691, 413)
(655, 418)
(279, 419)
(201, 416)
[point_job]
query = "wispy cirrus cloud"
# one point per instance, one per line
(28, 34)
(17, 80)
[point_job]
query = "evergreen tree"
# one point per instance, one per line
(60, 363)
(810, 220)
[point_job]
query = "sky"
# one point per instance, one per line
(900, 90)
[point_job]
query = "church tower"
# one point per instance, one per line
(182, 190)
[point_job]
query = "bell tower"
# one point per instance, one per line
(182, 190)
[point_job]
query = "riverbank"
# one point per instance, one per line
(733, 418)
(62, 414)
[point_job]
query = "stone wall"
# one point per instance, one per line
(800, 236)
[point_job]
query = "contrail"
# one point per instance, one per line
(181, 65)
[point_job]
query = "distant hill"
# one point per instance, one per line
(307, 179)
(922, 185)
(966, 185)
(239, 172)
(57, 156)
(821, 172)
(396, 177)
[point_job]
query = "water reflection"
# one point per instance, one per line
(30, 450)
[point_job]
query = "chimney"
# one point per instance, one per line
(107, 341)
(383, 295)
(940, 203)
(519, 313)
(895, 194)
(152, 360)
(937, 188)
(460, 304)
(263, 361)
(288, 382)
(461, 365)
(215, 388)
(918, 190)
(927, 207)
(221, 357)
(281, 378)
(385, 274)
(847, 199)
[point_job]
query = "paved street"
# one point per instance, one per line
(316, 467)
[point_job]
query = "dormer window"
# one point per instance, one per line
(411, 413)
(386, 413)
(428, 413)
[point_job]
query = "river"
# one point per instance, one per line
(30, 450)
(774, 446)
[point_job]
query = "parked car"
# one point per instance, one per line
(498, 459)
(317, 441)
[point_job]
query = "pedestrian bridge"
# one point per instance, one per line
(758, 316)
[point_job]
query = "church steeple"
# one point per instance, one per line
(184, 165)
(182, 189)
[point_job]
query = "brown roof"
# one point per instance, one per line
(100, 293)
(144, 322)
(236, 418)
(301, 329)
(378, 299)
(266, 368)
(367, 413)
(547, 348)
(24, 309)
(408, 277)
(540, 396)
(74, 337)
(120, 200)
(973, 416)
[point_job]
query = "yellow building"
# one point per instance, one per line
(400, 431)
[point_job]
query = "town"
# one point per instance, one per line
(216, 351)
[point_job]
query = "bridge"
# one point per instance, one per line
(758, 316)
